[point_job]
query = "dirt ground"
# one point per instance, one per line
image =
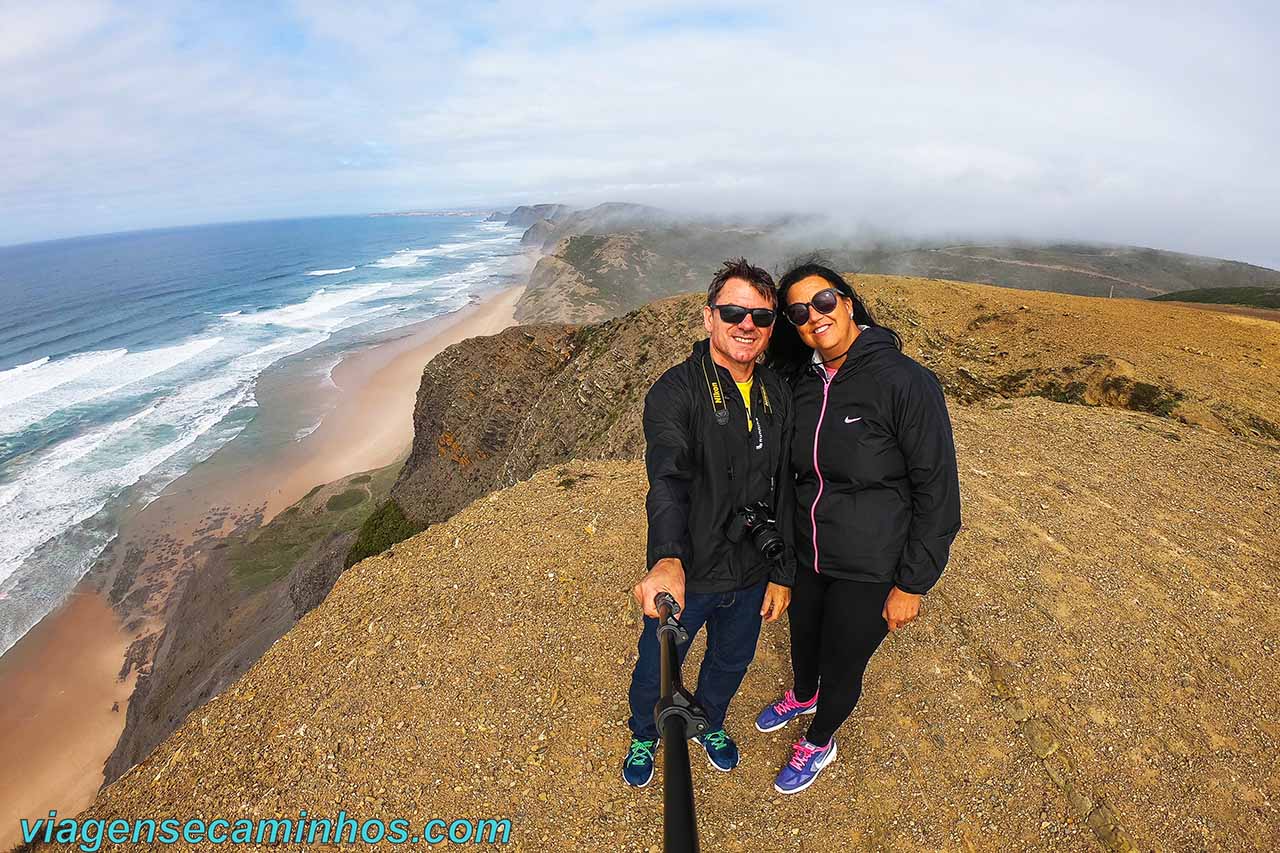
(1097, 669)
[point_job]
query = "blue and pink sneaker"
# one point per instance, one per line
(786, 709)
(807, 761)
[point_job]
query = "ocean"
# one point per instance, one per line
(126, 359)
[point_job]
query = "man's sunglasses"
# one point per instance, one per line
(734, 314)
(824, 302)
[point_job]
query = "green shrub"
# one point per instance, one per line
(1258, 297)
(345, 500)
(363, 478)
(384, 528)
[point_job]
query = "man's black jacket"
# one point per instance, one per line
(701, 471)
(874, 468)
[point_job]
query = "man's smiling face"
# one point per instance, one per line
(739, 344)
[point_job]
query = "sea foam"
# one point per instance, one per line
(102, 379)
(40, 377)
(88, 433)
(411, 257)
(323, 310)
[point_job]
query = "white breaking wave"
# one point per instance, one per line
(306, 431)
(22, 368)
(75, 479)
(40, 377)
(70, 451)
(102, 380)
(60, 500)
(321, 311)
(411, 257)
(270, 348)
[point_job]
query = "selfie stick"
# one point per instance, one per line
(678, 717)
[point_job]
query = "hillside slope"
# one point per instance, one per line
(253, 586)
(610, 259)
(1097, 669)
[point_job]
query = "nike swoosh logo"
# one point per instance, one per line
(852, 420)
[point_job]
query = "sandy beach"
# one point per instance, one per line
(61, 679)
(60, 689)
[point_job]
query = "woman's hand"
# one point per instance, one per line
(777, 598)
(901, 608)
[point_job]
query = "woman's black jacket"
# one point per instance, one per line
(702, 471)
(877, 495)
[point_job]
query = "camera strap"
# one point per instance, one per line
(713, 389)
(717, 395)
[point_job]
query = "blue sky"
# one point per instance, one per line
(1132, 123)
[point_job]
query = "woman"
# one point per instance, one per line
(876, 501)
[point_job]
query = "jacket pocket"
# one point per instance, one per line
(880, 524)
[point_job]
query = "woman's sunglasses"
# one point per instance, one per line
(824, 302)
(734, 314)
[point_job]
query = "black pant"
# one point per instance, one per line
(836, 625)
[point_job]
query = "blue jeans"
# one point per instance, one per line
(733, 627)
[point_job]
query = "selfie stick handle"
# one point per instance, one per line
(678, 717)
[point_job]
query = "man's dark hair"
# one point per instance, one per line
(757, 277)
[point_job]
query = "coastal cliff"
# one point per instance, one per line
(606, 260)
(526, 215)
(491, 411)
(1094, 670)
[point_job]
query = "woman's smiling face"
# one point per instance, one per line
(826, 333)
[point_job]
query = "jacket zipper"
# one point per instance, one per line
(813, 509)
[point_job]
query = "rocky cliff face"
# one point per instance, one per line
(587, 278)
(525, 215)
(537, 234)
(491, 411)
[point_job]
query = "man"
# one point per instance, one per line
(716, 432)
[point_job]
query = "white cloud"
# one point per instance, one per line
(1152, 126)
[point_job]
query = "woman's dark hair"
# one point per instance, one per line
(789, 355)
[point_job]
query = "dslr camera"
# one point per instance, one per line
(756, 522)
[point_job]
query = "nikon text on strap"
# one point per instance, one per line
(717, 395)
(713, 388)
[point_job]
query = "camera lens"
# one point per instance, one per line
(768, 541)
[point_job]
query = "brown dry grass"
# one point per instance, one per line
(1214, 369)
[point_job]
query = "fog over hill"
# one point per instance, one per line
(612, 258)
